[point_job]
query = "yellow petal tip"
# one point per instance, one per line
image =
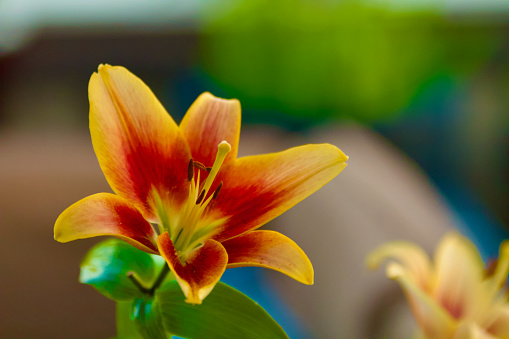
(58, 235)
(101, 66)
(342, 156)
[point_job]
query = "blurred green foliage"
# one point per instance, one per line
(320, 59)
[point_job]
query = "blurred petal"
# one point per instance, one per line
(459, 270)
(137, 143)
(106, 214)
(209, 121)
(415, 260)
(202, 268)
(499, 327)
(470, 330)
(433, 320)
(257, 189)
(499, 276)
(269, 249)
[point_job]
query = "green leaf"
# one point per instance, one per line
(225, 313)
(107, 264)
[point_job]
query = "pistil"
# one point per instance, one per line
(197, 201)
(222, 151)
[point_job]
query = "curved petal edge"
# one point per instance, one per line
(135, 139)
(106, 214)
(209, 121)
(272, 250)
(200, 271)
(257, 189)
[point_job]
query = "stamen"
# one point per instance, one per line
(189, 221)
(190, 170)
(199, 165)
(200, 198)
(216, 192)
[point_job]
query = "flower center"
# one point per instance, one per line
(190, 229)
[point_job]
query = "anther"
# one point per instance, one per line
(200, 198)
(199, 165)
(208, 169)
(190, 170)
(216, 192)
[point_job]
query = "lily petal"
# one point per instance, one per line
(137, 143)
(434, 321)
(500, 322)
(200, 272)
(209, 121)
(459, 273)
(257, 189)
(413, 257)
(470, 330)
(272, 250)
(106, 214)
(499, 276)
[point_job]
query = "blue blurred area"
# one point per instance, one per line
(428, 134)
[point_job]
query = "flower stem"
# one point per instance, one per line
(136, 283)
(160, 279)
(150, 291)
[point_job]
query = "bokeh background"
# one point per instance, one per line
(414, 91)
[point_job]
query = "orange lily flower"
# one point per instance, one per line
(187, 182)
(455, 297)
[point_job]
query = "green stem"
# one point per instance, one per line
(136, 283)
(160, 279)
(150, 291)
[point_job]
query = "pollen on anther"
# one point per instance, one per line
(216, 192)
(190, 170)
(200, 198)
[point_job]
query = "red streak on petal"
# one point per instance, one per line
(134, 226)
(453, 305)
(138, 145)
(150, 167)
(245, 206)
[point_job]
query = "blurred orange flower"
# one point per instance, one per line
(454, 297)
(188, 181)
